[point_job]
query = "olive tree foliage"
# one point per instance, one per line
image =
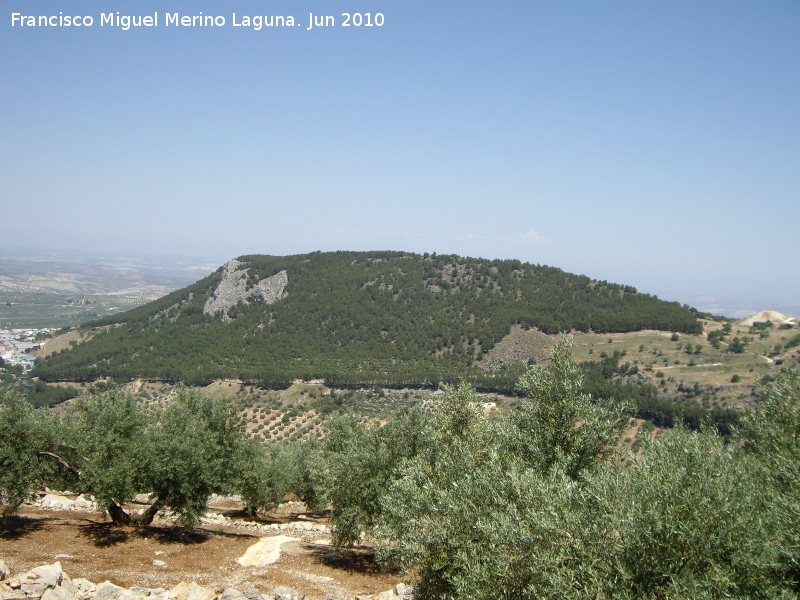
(104, 448)
(266, 475)
(291, 469)
(683, 519)
(559, 424)
(484, 510)
(771, 435)
(356, 464)
(538, 505)
(107, 445)
(448, 512)
(21, 440)
(197, 449)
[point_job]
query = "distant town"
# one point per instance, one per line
(16, 345)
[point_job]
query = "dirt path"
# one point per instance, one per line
(89, 546)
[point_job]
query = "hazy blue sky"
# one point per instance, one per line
(655, 144)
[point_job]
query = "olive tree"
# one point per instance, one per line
(180, 454)
(685, 518)
(358, 462)
(485, 510)
(545, 504)
(196, 449)
(557, 422)
(103, 447)
(21, 441)
(770, 433)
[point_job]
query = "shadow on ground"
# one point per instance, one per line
(104, 535)
(351, 560)
(15, 527)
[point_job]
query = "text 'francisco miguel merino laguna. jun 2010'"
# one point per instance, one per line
(167, 19)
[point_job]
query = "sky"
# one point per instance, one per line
(654, 144)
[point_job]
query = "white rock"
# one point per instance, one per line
(84, 503)
(37, 580)
(191, 591)
(4, 572)
(159, 563)
(252, 594)
(9, 593)
(56, 593)
(50, 575)
(58, 502)
(84, 586)
(265, 552)
(66, 583)
(109, 591)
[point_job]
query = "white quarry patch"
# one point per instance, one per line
(768, 315)
(265, 552)
(233, 289)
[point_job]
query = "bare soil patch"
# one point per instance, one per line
(89, 546)
(59, 343)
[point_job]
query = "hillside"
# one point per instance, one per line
(351, 318)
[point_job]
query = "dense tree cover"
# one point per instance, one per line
(605, 381)
(387, 318)
(543, 505)
(39, 392)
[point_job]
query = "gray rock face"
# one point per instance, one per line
(233, 289)
(252, 594)
(287, 593)
(269, 290)
(109, 591)
(233, 594)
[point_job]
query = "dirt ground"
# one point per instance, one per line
(89, 546)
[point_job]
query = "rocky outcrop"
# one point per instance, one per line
(269, 290)
(233, 289)
(50, 582)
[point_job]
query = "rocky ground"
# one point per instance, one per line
(286, 555)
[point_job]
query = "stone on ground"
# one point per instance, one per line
(191, 591)
(287, 593)
(265, 552)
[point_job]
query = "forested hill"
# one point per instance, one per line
(352, 317)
